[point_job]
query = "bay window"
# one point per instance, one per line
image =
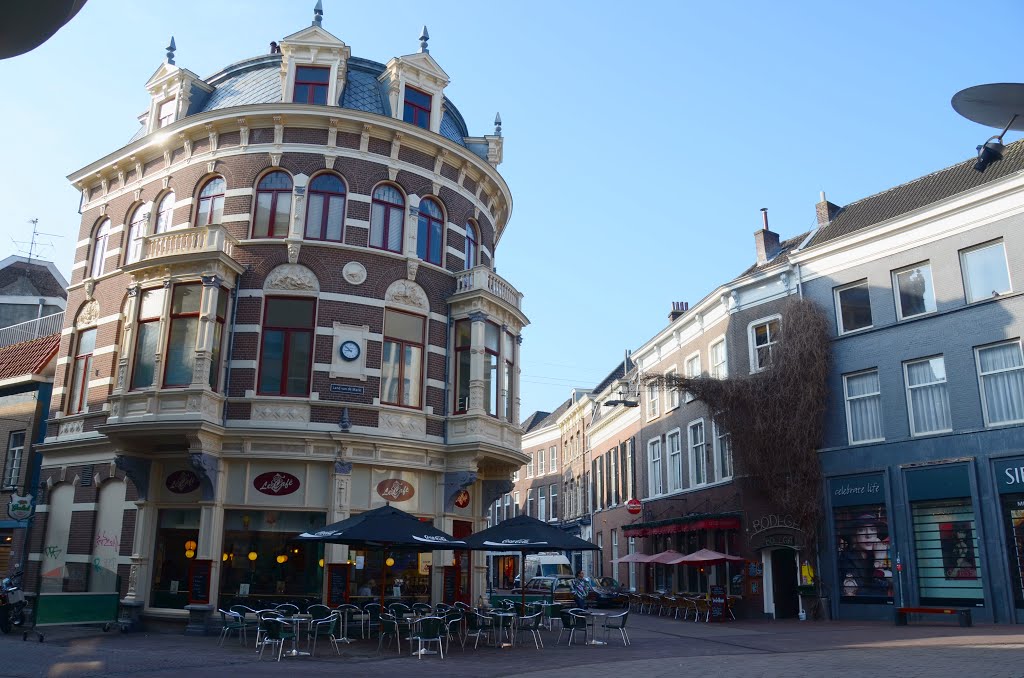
(81, 370)
(492, 335)
(147, 338)
(463, 341)
(402, 361)
(286, 353)
(507, 394)
(186, 302)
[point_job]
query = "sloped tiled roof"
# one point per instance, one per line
(619, 372)
(258, 86)
(918, 193)
(38, 276)
(533, 420)
(28, 357)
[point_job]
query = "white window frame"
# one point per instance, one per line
(752, 346)
(529, 502)
(598, 484)
(713, 371)
(553, 508)
(908, 387)
(515, 476)
(542, 504)
(846, 402)
(963, 270)
(655, 484)
(981, 380)
(693, 452)
(687, 396)
(896, 290)
(529, 467)
(553, 459)
(539, 459)
(671, 392)
(722, 440)
(676, 433)
(515, 504)
(653, 398)
(508, 506)
(15, 458)
(839, 309)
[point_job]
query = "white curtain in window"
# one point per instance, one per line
(1002, 370)
(862, 392)
(929, 399)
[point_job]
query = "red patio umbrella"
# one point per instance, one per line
(635, 558)
(705, 557)
(669, 557)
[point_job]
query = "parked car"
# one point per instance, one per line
(546, 589)
(606, 592)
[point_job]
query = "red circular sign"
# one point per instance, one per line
(395, 489)
(462, 499)
(182, 482)
(634, 506)
(276, 483)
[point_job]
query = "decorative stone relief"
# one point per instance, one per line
(407, 293)
(354, 272)
(343, 467)
(133, 580)
(293, 251)
(404, 424)
(70, 428)
(492, 489)
(137, 470)
(89, 286)
(88, 316)
(282, 412)
(292, 277)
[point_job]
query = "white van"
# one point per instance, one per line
(545, 565)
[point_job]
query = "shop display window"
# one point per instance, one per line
(864, 559)
(175, 530)
(946, 546)
(1013, 513)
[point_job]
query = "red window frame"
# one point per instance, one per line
(210, 201)
(170, 330)
(402, 344)
(420, 115)
(274, 193)
(288, 332)
(388, 206)
(429, 222)
(461, 407)
(327, 195)
(313, 85)
(84, 359)
(472, 248)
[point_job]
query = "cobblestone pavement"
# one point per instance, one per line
(660, 647)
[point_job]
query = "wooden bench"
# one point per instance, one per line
(964, 615)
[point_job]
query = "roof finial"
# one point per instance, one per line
(424, 36)
(497, 124)
(318, 13)
(170, 51)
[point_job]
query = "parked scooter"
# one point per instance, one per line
(12, 603)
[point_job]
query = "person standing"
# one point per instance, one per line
(580, 589)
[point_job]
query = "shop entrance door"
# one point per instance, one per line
(784, 580)
(462, 561)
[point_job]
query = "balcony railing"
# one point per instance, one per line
(482, 278)
(206, 239)
(32, 329)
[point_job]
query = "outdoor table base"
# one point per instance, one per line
(297, 621)
(503, 622)
(592, 619)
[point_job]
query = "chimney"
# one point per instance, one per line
(826, 211)
(678, 309)
(766, 241)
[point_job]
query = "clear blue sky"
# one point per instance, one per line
(641, 138)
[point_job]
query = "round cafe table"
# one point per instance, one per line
(297, 620)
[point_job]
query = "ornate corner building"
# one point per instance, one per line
(283, 309)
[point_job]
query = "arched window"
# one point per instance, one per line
(472, 250)
(99, 250)
(273, 206)
(325, 208)
(136, 229)
(387, 212)
(430, 232)
(211, 202)
(164, 213)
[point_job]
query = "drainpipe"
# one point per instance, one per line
(230, 352)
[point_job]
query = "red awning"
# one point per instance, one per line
(727, 523)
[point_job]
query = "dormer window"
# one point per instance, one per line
(417, 107)
(165, 116)
(311, 85)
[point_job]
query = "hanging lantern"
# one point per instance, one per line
(390, 561)
(190, 548)
(282, 558)
(252, 555)
(224, 557)
(321, 562)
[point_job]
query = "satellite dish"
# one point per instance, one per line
(998, 105)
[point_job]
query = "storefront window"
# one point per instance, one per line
(175, 528)
(946, 546)
(262, 566)
(407, 580)
(864, 560)
(1009, 474)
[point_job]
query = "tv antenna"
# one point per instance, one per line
(30, 248)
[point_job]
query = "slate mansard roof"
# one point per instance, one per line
(258, 81)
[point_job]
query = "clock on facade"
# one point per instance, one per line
(349, 350)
